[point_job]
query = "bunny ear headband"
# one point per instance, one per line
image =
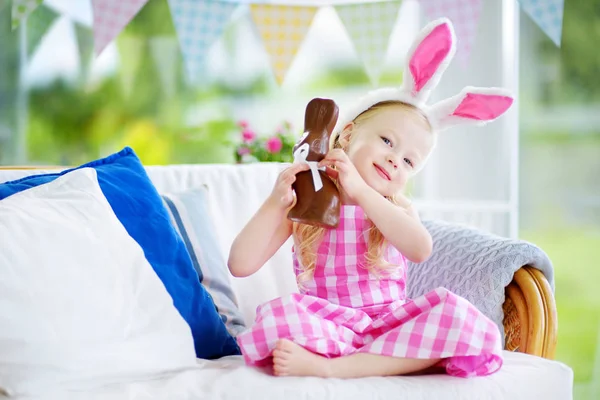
(428, 58)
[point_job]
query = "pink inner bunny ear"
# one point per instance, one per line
(482, 107)
(430, 54)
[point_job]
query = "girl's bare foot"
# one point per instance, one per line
(290, 359)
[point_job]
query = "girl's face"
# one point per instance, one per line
(388, 148)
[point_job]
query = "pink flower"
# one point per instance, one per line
(243, 124)
(248, 135)
(274, 144)
(242, 151)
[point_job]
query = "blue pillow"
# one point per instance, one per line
(139, 207)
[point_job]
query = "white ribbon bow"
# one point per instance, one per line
(300, 156)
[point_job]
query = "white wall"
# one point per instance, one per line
(474, 163)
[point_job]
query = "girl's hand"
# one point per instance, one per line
(282, 194)
(345, 172)
(403, 201)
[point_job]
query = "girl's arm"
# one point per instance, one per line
(262, 236)
(268, 229)
(400, 225)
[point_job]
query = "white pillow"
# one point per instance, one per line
(80, 306)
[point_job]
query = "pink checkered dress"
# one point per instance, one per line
(345, 309)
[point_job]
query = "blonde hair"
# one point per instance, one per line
(308, 237)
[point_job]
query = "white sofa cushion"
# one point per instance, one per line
(80, 305)
(522, 377)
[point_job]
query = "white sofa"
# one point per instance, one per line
(235, 192)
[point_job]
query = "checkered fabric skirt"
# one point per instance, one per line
(345, 309)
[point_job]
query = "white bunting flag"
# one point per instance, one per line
(370, 25)
(548, 15)
(199, 23)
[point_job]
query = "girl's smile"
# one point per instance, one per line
(382, 172)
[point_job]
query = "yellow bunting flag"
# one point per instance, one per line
(282, 29)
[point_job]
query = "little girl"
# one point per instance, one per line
(352, 318)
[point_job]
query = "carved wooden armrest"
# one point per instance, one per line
(530, 319)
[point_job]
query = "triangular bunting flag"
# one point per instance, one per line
(164, 51)
(548, 15)
(110, 17)
(131, 49)
(282, 29)
(464, 15)
(370, 26)
(37, 26)
(21, 9)
(85, 46)
(199, 23)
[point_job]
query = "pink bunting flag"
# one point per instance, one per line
(464, 15)
(110, 17)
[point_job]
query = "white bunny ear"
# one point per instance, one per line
(428, 58)
(475, 106)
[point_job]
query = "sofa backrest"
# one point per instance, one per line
(235, 193)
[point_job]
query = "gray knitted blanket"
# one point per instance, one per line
(475, 265)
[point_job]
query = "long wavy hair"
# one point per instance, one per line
(307, 237)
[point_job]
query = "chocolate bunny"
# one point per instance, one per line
(317, 196)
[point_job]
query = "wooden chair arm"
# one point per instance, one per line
(530, 319)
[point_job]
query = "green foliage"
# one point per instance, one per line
(344, 75)
(574, 254)
(208, 143)
(9, 78)
(104, 120)
(154, 19)
(70, 123)
(578, 55)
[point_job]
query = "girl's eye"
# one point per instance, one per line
(386, 141)
(406, 160)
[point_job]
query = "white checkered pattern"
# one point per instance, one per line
(370, 25)
(345, 309)
(282, 29)
(21, 10)
(110, 17)
(548, 15)
(464, 15)
(199, 23)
